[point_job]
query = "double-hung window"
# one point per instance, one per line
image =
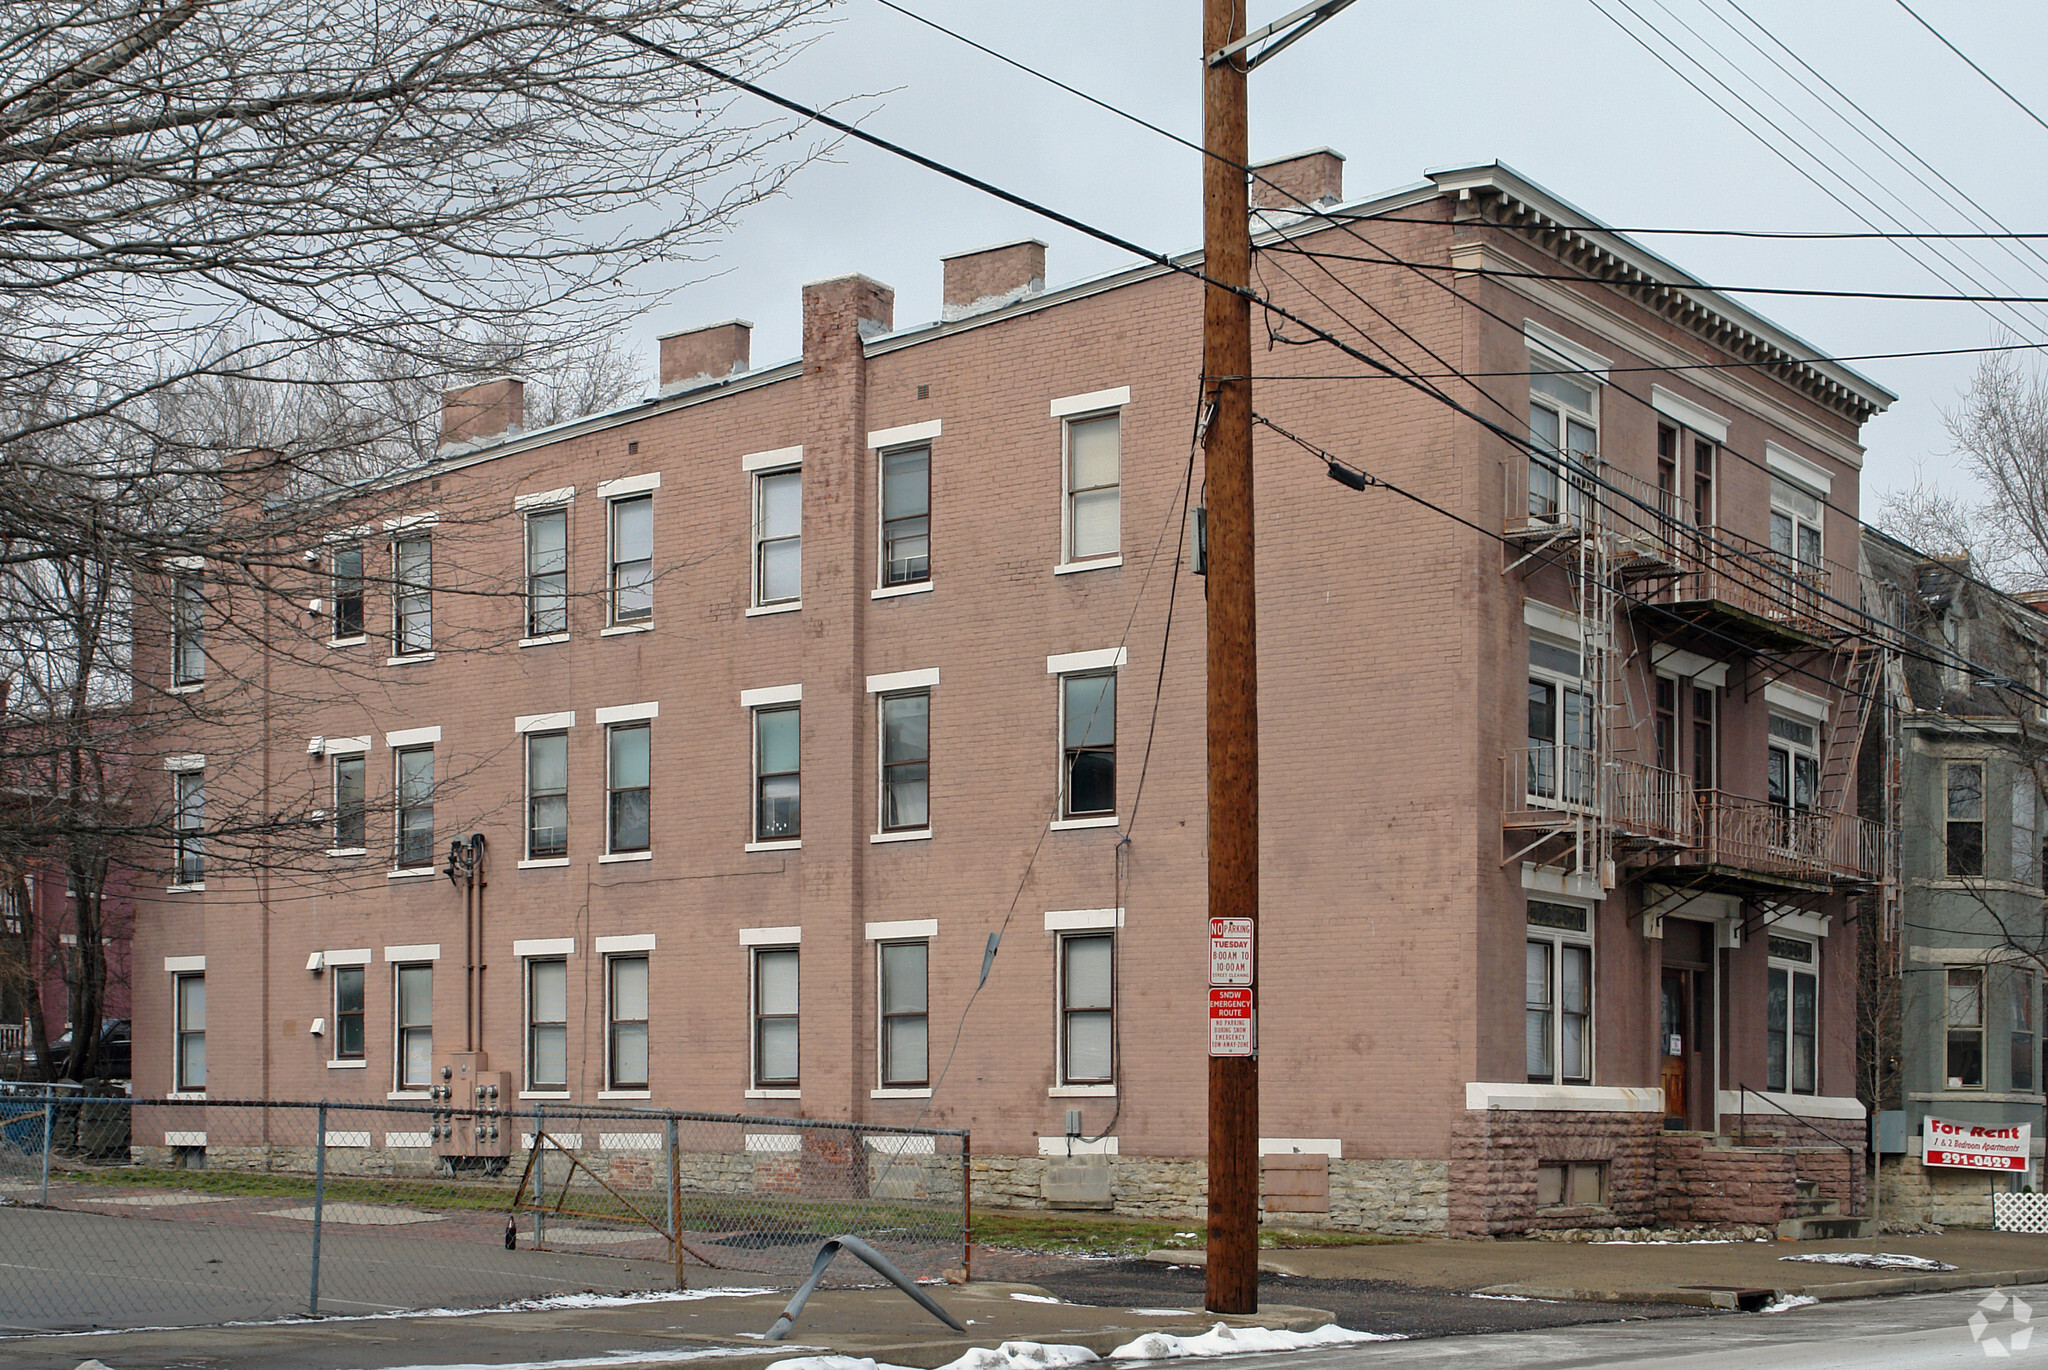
(414, 1040)
(188, 992)
(1087, 989)
(1795, 526)
(350, 811)
(1565, 435)
(906, 516)
(1665, 719)
(632, 559)
(1705, 750)
(1965, 1027)
(415, 792)
(1094, 504)
(775, 1018)
(190, 795)
(1703, 482)
(348, 591)
(348, 1013)
(412, 595)
(1088, 744)
(547, 1024)
(547, 572)
(547, 796)
(188, 631)
(1792, 1017)
(1791, 775)
(778, 769)
(626, 807)
(905, 1034)
(778, 536)
(2025, 844)
(1561, 768)
(1963, 833)
(1558, 995)
(626, 1021)
(2020, 1014)
(906, 761)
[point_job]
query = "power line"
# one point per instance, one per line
(1786, 234)
(1996, 85)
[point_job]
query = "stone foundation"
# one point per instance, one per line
(1913, 1193)
(1495, 1154)
(1392, 1196)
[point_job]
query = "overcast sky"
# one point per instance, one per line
(1554, 88)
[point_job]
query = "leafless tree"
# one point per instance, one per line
(244, 245)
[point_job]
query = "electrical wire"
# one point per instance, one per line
(2024, 108)
(1392, 216)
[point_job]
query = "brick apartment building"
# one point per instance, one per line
(777, 693)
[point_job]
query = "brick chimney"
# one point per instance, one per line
(486, 409)
(2036, 600)
(1313, 180)
(710, 353)
(830, 305)
(991, 277)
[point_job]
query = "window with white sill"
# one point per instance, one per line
(775, 1034)
(1792, 1016)
(1094, 480)
(1088, 745)
(1561, 761)
(1558, 994)
(1564, 434)
(1087, 1008)
(547, 572)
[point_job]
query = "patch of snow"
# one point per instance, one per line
(1785, 1301)
(1023, 1355)
(1225, 1340)
(1507, 1298)
(1666, 1241)
(613, 1358)
(1871, 1260)
(1034, 1298)
(1187, 1234)
(1163, 1312)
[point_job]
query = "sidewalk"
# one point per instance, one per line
(1707, 1274)
(706, 1325)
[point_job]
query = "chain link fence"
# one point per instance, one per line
(118, 1212)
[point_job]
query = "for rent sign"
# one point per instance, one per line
(1971, 1146)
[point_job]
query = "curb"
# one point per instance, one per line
(1268, 1265)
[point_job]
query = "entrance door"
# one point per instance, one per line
(1675, 1043)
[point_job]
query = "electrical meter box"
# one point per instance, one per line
(469, 1118)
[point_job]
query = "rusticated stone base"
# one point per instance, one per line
(1495, 1154)
(1917, 1193)
(1391, 1196)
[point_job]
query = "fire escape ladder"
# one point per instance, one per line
(1594, 595)
(1851, 715)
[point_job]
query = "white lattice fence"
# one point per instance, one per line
(2020, 1212)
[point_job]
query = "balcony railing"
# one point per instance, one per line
(1735, 570)
(1647, 807)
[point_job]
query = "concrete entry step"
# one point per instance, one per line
(1828, 1227)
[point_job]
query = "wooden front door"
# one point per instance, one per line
(1675, 1043)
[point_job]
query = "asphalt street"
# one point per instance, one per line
(1907, 1332)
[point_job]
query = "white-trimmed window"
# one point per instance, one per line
(348, 1012)
(347, 584)
(906, 516)
(188, 630)
(547, 572)
(547, 1023)
(1795, 524)
(632, 559)
(906, 761)
(1087, 1008)
(775, 1035)
(1558, 994)
(778, 536)
(188, 995)
(190, 787)
(2025, 839)
(547, 796)
(351, 814)
(415, 803)
(1564, 431)
(627, 763)
(412, 595)
(413, 1040)
(1094, 481)
(1792, 1017)
(1792, 773)
(1088, 744)
(626, 1022)
(1965, 1014)
(1561, 767)
(1963, 830)
(778, 772)
(905, 1036)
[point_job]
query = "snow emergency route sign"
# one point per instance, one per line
(1230, 1022)
(1230, 951)
(1971, 1146)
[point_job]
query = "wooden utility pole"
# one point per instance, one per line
(1233, 1270)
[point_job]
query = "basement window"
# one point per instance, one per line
(1571, 1184)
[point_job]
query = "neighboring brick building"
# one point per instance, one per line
(812, 677)
(1954, 1009)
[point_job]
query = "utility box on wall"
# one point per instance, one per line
(469, 1123)
(1295, 1182)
